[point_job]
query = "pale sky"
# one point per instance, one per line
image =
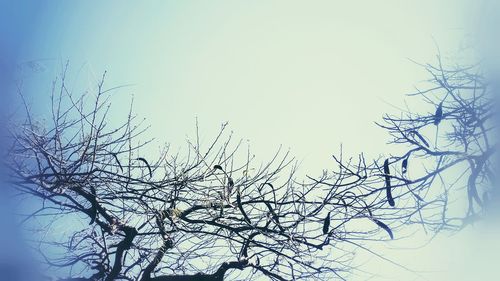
(308, 75)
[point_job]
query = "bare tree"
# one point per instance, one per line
(447, 169)
(100, 208)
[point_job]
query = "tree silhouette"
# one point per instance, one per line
(184, 216)
(100, 208)
(461, 124)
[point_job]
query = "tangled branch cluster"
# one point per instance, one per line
(102, 209)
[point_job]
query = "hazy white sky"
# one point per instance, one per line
(308, 75)
(303, 74)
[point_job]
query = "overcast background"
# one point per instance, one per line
(307, 75)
